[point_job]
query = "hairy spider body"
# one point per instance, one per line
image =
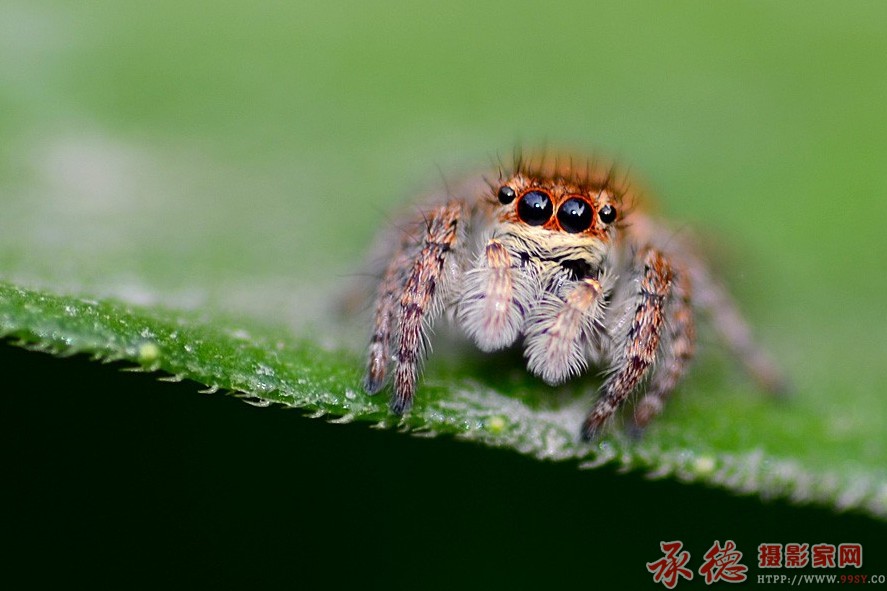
(559, 258)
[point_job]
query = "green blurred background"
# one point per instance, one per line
(237, 157)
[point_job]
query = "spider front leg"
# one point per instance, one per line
(558, 331)
(496, 293)
(408, 302)
(642, 341)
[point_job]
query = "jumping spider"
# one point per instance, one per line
(556, 256)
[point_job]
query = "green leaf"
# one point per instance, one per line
(192, 203)
(697, 441)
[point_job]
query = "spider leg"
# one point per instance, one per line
(711, 296)
(495, 297)
(558, 331)
(713, 300)
(420, 300)
(678, 346)
(642, 342)
(392, 283)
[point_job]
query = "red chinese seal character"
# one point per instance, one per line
(722, 564)
(668, 569)
(769, 555)
(823, 555)
(850, 555)
(797, 555)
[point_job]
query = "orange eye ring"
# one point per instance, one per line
(535, 208)
(575, 215)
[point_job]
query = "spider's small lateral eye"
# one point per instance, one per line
(575, 215)
(607, 214)
(506, 194)
(535, 208)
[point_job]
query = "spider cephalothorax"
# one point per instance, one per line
(556, 257)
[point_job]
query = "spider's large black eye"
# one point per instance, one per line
(607, 214)
(506, 194)
(535, 208)
(574, 215)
